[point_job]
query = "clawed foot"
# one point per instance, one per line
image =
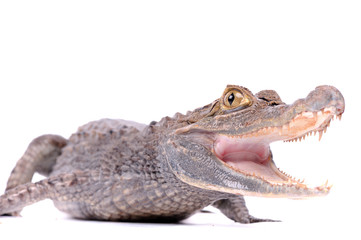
(252, 219)
(13, 214)
(235, 209)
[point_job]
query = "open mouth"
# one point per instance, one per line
(250, 153)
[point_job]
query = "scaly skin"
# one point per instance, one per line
(168, 170)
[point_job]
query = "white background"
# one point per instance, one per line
(64, 63)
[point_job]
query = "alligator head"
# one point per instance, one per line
(225, 146)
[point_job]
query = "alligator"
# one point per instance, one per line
(166, 171)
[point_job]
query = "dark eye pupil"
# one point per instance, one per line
(230, 99)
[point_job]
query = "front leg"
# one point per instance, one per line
(235, 209)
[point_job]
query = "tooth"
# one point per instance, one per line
(339, 117)
(320, 135)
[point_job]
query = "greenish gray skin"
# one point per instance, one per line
(168, 170)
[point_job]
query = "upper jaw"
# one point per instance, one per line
(299, 126)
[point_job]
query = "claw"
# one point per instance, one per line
(257, 220)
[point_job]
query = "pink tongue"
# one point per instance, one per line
(235, 150)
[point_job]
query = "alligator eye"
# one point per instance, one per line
(234, 99)
(230, 99)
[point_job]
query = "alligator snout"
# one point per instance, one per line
(325, 97)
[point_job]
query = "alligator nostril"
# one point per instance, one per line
(325, 96)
